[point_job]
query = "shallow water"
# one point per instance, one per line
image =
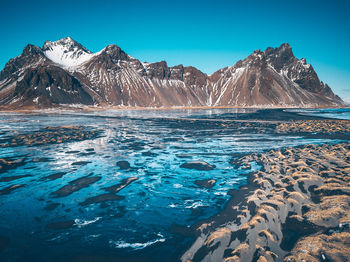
(43, 226)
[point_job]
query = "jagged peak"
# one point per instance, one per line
(257, 58)
(258, 54)
(31, 49)
(285, 46)
(66, 52)
(283, 56)
(112, 47)
(115, 53)
(284, 50)
(194, 69)
(67, 42)
(179, 66)
(162, 63)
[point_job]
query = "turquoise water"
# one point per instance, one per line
(143, 221)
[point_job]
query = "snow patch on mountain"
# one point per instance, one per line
(66, 52)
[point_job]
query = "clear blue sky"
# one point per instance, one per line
(206, 34)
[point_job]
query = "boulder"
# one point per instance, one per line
(198, 165)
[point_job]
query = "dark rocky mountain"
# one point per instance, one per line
(272, 77)
(66, 73)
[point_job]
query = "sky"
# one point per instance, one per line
(206, 34)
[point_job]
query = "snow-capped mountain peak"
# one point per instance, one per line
(65, 72)
(66, 52)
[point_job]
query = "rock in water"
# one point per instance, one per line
(123, 164)
(198, 165)
(206, 183)
(61, 225)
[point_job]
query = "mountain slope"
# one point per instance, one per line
(273, 77)
(64, 73)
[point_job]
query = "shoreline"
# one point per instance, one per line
(125, 108)
(256, 215)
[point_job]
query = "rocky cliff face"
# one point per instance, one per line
(65, 72)
(273, 77)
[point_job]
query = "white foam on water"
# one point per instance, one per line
(82, 222)
(219, 193)
(195, 204)
(123, 244)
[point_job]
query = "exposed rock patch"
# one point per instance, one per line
(10, 163)
(76, 185)
(112, 193)
(9, 189)
(11, 178)
(49, 135)
(54, 176)
(101, 199)
(315, 126)
(123, 164)
(206, 183)
(198, 165)
(61, 225)
(124, 183)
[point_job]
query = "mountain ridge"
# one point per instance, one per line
(64, 72)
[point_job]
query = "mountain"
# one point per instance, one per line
(64, 72)
(272, 77)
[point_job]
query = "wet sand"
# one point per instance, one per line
(297, 208)
(49, 135)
